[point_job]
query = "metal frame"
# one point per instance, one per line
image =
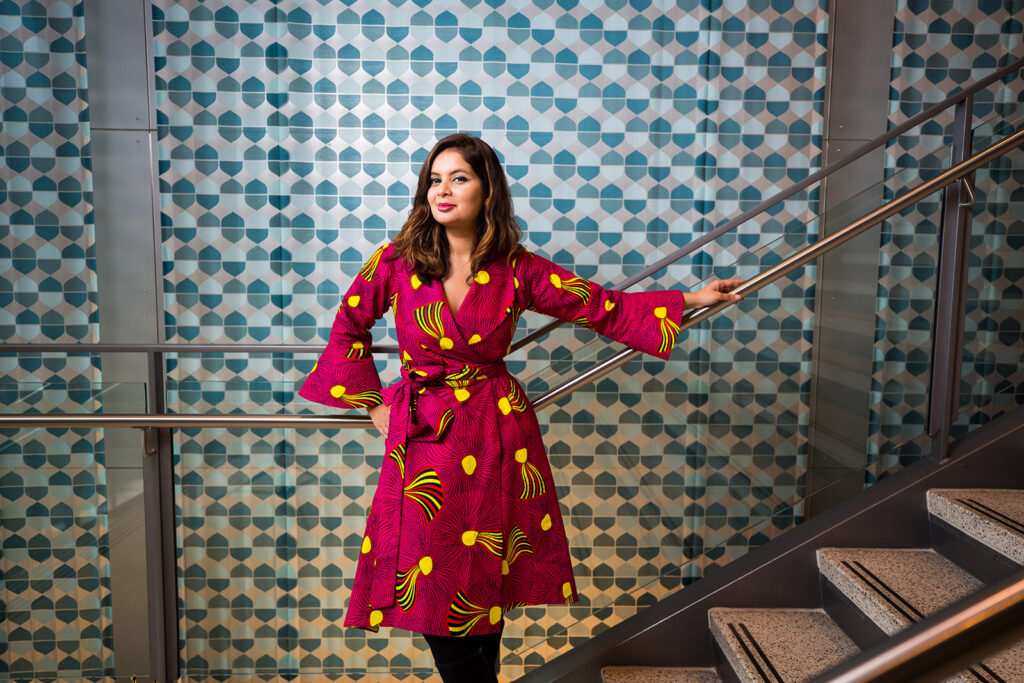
(859, 64)
(951, 290)
(128, 246)
(158, 494)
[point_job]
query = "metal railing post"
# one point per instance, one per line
(950, 291)
(158, 496)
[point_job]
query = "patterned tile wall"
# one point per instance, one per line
(937, 47)
(54, 577)
(290, 134)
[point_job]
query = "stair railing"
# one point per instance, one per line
(944, 400)
(690, 318)
(947, 642)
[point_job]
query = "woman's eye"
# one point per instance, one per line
(435, 181)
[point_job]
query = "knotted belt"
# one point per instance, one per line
(423, 405)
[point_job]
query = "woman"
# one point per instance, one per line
(465, 524)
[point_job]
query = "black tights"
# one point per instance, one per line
(466, 659)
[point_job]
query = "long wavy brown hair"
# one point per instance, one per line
(423, 241)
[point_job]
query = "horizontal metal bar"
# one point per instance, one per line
(690, 318)
(585, 377)
(177, 348)
(143, 420)
(947, 642)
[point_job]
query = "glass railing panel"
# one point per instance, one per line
(907, 280)
(903, 329)
(671, 468)
(997, 126)
(926, 146)
(255, 384)
(270, 526)
(992, 371)
(570, 349)
(68, 397)
(57, 489)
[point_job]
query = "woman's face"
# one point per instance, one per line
(456, 194)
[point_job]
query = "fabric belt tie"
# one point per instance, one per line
(423, 404)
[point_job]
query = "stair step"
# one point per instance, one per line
(896, 587)
(657, 674)
(788, 645)
(995, 517)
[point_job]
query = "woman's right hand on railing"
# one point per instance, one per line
(381, 416)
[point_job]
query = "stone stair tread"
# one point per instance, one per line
(769, 644)
(995, 517)
(658, 674)
(895, 587)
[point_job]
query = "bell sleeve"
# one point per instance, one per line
(644, 321)
(345, 375)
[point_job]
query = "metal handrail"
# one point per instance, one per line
(664, 262)
(783, 195)
(179, 420)
(690, 318)
(766, 277)
(945, 643)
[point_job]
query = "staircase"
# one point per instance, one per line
(868, 594)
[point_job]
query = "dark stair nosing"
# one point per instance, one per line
(984, 562)
(854, 623)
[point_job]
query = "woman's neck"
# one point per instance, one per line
(460, 246)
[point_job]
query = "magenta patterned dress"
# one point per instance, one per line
(465, 523)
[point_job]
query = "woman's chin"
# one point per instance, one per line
(452, 224)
